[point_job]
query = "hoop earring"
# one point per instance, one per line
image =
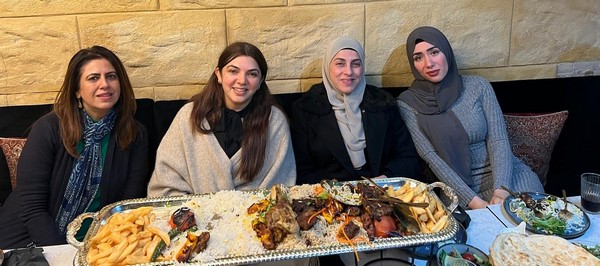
(79, 103)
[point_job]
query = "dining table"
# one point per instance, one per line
(485, 225)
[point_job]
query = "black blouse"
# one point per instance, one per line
(228, 130)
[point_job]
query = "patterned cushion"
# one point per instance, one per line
(532, 138)
(12, 148)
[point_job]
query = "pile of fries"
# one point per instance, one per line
(126, 238)
(431, 219)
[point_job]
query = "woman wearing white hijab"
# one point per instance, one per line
(343, 128)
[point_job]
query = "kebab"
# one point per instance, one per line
(181, 220)
(528, 200)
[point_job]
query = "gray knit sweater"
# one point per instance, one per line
(492, 161)
(188, 162)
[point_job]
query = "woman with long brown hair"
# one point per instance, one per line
(85, 154)
(230, 136)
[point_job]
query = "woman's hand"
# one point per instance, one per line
(499, 196)
(477, 203)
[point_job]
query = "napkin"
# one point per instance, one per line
(25, 256)
(520, 229)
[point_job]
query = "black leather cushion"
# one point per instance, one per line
(5, 186)
(164, 112)
(285, 100)
(145, 115)
(15, 121)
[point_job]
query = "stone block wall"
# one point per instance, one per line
(170, 47)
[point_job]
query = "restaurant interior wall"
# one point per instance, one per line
(170, 47)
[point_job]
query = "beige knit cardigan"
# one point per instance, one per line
(188, 162)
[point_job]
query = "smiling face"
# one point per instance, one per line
(99, 87)
(430, 62)
(240, 79)
(346, 70)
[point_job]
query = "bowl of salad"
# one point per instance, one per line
(457, 254)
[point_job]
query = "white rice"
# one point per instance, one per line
(577, 222)
(224, 215)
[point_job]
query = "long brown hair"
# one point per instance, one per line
(66, 104)
(210, 101)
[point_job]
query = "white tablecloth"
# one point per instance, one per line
(61, 255)
(485, 225)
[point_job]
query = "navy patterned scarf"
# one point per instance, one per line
(87, 172)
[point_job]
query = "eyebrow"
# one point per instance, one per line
(353, 60)
(98, 74)
(234, 66)
(433, 47)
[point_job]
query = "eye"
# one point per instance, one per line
(232, 70)
(93, 77)
(357, 63)
(112, 76)
(417, 58)
(435, 51)
(254, 74)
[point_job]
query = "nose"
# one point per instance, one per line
(103, 82)
(241, 78)
(347, 70)
(428, 61)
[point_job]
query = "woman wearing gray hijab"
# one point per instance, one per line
(343, 128)
(457, 125)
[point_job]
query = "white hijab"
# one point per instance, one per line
(347, 106)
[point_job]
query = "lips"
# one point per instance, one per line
(105, 96)
(239, 91)
(433, 73)
(347, 82)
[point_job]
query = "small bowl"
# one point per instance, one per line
(462, 248)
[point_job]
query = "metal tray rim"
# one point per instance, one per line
(382, 243)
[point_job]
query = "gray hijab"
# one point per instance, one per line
(433, 101)
(347, 106)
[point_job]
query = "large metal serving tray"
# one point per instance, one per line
(101, 217)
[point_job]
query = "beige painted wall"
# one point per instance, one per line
(171, 46)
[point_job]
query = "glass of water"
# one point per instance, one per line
(590, 192)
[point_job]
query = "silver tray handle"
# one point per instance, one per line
(74, 227)
(448, 191)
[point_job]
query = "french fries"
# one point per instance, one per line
(431, 219)
(126, 238)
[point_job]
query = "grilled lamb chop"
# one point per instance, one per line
(281, 215)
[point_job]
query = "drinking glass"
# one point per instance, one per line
(590, 192)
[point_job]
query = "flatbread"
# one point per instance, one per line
(520, 249)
